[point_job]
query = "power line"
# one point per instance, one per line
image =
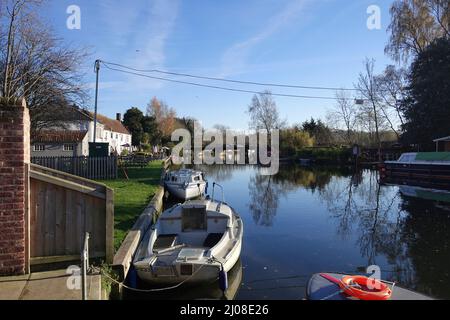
(268, 84)
(218, 87)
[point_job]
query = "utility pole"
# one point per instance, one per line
(97, 69)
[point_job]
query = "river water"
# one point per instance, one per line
(308, 220)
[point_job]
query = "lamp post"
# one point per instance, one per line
(97, 69)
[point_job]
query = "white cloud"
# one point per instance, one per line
(234, 58)
(141, 30)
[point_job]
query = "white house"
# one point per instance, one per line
(76, 130)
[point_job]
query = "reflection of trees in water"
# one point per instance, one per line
(264, 197)
(265, 191)
(426, 234)
(220, 172)
(361, 203)
(314, 178)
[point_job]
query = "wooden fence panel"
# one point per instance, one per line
(62, 208)
(102, 168)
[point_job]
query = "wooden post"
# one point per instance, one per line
(109, 225)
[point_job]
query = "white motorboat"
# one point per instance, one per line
(192, 242)
(185, 184)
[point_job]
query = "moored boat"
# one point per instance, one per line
(422, 168)
(192, 242)
(334, 286)
(185, 184)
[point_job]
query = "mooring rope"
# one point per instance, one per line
(149, 290)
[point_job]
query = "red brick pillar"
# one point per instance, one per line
(14, 188)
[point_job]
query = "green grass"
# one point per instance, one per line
(132, 196)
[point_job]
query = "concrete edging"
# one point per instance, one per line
(123, 258)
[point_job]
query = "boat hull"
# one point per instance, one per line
(209, 271)
(425, 175)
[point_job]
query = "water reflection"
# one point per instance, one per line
(220, 173)
(347, 220)
(264, 194)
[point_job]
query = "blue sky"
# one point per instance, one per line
(300, 42)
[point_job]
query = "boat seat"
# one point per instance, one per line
(212, 239)
(165, 241)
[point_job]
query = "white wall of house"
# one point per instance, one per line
(115, 139)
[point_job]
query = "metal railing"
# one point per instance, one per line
(85, 266)
(214, 187)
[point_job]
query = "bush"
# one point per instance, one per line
(325, 154)
(292, 140)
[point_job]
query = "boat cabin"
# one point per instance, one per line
(184, 176)
(443, 144)
(195, 223)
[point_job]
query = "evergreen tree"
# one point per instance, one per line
(427, 105)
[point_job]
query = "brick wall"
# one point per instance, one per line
(14, 184)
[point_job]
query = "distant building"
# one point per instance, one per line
(443, 144)
(72, 134)
(60, 144)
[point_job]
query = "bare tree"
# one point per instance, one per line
(263, 113)
(391, 89)
(344, 115)
(35, 65)
(415, 24)
(368, 87)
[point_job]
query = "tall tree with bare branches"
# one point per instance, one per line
(344, 114)
(368, 88)
(264, 114)
(35, 65)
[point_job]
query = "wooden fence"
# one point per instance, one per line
(102, 168)
(136, 160)
(62, 208)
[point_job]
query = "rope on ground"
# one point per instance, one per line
(149, 290)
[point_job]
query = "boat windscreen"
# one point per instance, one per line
(194, 219)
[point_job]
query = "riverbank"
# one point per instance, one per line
(132, 195)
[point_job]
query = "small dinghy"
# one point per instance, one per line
(185, 184)
(333, 286)
(194, 242)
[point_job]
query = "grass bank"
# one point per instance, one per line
(132, 196)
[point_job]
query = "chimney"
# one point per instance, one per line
(118, 117)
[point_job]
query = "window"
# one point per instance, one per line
(117, 136)
(194, 219)
(68, 147)
(112, 135)
(39, 147)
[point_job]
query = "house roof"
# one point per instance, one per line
(110, 124)
(442, 139)
(59, 136)
(73, 113)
